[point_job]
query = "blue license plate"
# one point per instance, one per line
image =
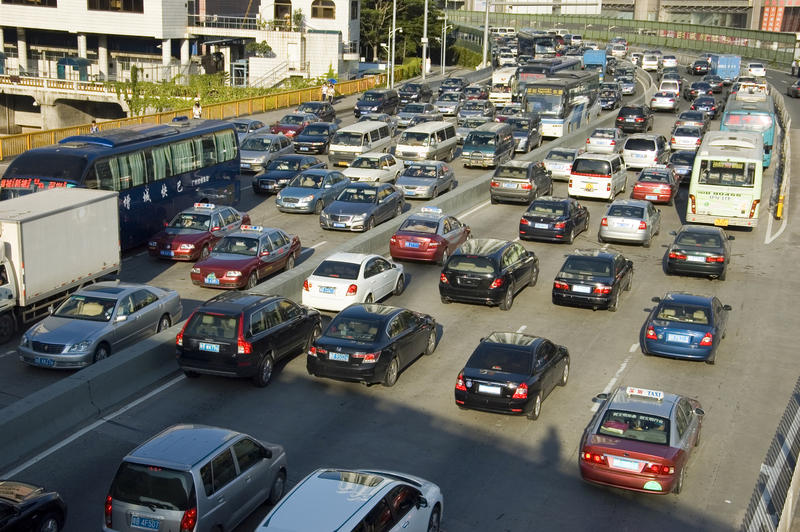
(245, 165)
(146, 523)
(412, 244)
(342, 357)
(167, 253)
(211, 348)
(212, 279)
(680, 338)
(509, 185)
(303, 148)
(409, 192)
(46, 362)
(327, 289)
(338, 224)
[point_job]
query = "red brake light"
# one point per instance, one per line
(594, 458)
(393, 239)
(639, 119)
(560, 225)
(651, 333)
(521, 392)
(659, 469)
(558, 285)
(679, 256)
(496, 283)
(306, 285)
(601, 289)
(588, 141)
(314, 351)
(215, 228)
(242, 347)
(179, 336)
(608, 186)
(189, 520)
(570, 180)
(613, 142)
(351, 290)
(443, 278)
(672, 140)
(460, 382)
(524, 221)
(642, 225)
(107, 510)
(707, 340)
(698, 141)
(604, 222)
(367, 358)
(526, 186)
(715, 258)
(494, 184)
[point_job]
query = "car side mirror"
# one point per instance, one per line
(656, 299)
(699, 411)
(267, 453)
(327, 186)
(121, 318)
(727, 307)
(422, 502)
(600, 397)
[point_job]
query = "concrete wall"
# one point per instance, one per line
(343, 22)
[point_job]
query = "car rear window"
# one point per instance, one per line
(654, 177)
(212, 325)
(682, 158)
(631, 111)
(547, 208)
(683, 313)
(686, 132)
(470, 264)
(591, 167)
(695, 239)
(557, 155)
(512, 171)
(603, 134)
(635, 426)
(153, 487)
(360, 330)
(418, 225)
(337, 269)
(626, 211)
(495, 357)
(640, 145)
(586, 266)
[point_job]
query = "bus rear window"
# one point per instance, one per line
(50, 165)
(727, 173)
(747, 122)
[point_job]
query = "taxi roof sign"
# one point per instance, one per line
(204, 206)
(643, 392)
(251, 228)
(431, 210)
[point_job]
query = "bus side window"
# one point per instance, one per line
(91, 181)
(207, 154)
(160, 163)
(226, 145)
(184, 158)
(103, 171)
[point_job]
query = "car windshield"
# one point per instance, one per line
(472, 105)
(682, 158)
(309, 107)
(212, 325)
(472, 123)
(483, 138)
(586, 266)
(473, 91)
(626, 80)
(237, 245)
(371, 97)
(410, 87)
(256, 144)
(414, 138)
(626, 211)
(188, 220)
(608, 94)
(470, 264)
(635, 426)
(690, 238)
(314, 129)
(452, 82)
(450, 97)
(155, 487)
(419, 225)
(365, 162)
(414, 108)
(727, 173)
(653, 177)
(496, 357)
(419, 170)
(284, 164)
(338, 269)
(307, 181)
(549, 209)
(347, 138)
(83, 307)
(360, 330)
(559, 155)
(682, 313)
(293, 120)
(519, 124)
(358, 195)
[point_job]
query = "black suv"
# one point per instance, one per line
(452, 85)
(377, 101)
(520, 181)
(238, 334)
(593, 278)
(415, 92)
(488, 271)
(635, 118)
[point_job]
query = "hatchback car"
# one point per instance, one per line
(554, 219)
(558, 162)
(412, 109)
(311, 191)
(315, 138)
(657, 185)
(346, 278)
(426, 179)
(362, 206)
(386, 500)
(245, 126)
(699, 250)
(25, 507)
(194, 477)
(593, 278)
(293, 123)
(415, 92)
(631, 221)
(323, 110)
(665, 101)
(374, 168)
(641, 151)
(488, 271)
(371, 343)
(476, 108)
(96, 321)
(685, 326)
(640, 440)
(512, 373)
(193, 232)
(258, 149)
(245, 257)
(757, 70)
(682, 163)
(635, 118)
(282, 170)
(238, 334)
(605, 140)
(520, 181)
(793, 90)
(698, 88)
(686, 138)
(712, 107)
(429, 236)
(449, 103)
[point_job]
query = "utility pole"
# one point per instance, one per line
(394, 38)
(425, 42)
(486, 35)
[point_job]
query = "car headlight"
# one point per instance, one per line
(324, 215)
(187, 246)
(306, 199)
(233, 273)
(25, 341)
(79, 347)
(152, 244)
(317, 143)
(283, 181)
(359, 217)
(195, 270)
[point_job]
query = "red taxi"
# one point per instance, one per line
(657, 185)
(247, 256)
(429, 236)
(293, 123)
(192, 233)
(640, 440)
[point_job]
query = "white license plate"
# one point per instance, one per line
(211, 348)
(303, 148)
(145, 523)
(492, 390)
(624, 463)
(630, 120)
(695, 258)
(327, 290)
(651, 197)
(46, 362)
(167, 253)
(541, 226)
(680, 338)
(341, 357)
(639, 155)
(245, 165)
(409, 192)
(338, 224)
(582, 289)
(509, 185)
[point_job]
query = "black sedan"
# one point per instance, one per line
(324, 110)
(315, 138)
(698, 88)
(698, 68)
(454, 84)
(715, 81)
(512, 373)
(610, 100)
(371, 343)
(712, 107)
(415, 92)
(699, 250)
(488, 271)
(554, 219)
(279, 172)
(28, 508)
(593, 278)
(793, 90)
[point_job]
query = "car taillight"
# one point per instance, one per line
(679, 256)
(651, 333)
(707, 340)
(494, 184)
(639, 119)
(692, 203)
(698, 141)
(215, 228)
(189, 520)
(306, 285)
(393, 239)
(642, 225)
(608, 186)
(691, 108)
(526, 186)
(558, 285)
(604, 222)
(521, 392)
(672, 140)
(243, 347)
(460, 382)
(613, 143)
(496, 283)
(432, 243)
(620, 118)
(713, 107)
(179, 336)
(314, 351)
(524, 221)
(715, 258)
(351, 290)
(367, 358)
(594, 458)
(559, 225)
(107, 510)
(754, 207)
(570, 181)
(659, 469)
(588, 141)
(443, 278)
(601, 289)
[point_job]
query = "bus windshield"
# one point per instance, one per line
(55, 165)
(727, 173)
(748, 122)
(546, 105)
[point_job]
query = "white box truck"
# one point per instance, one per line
(51, 244)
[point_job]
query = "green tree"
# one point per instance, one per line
(376, 25)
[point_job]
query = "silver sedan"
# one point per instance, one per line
(99, 320)
(605, 140)
(686, 138)
(633, 221)
(665, 101)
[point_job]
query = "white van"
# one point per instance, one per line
(354, 140)
(597, 175)
(428, 141)
(651, 62)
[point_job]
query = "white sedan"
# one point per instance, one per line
(374, 168)
(756, 70)
(346, 278)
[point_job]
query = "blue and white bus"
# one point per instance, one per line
(752, 115)
(544, 68)
(564, 103)
(158, 170)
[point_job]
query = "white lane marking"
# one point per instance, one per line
(248, 187)
(318, 244)
(8, 353)
(472, 210)
(633, 348)
(47, 452)
(522, 328)
(613, 381)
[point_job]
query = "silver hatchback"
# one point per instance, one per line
(194, 477)
(633, 221)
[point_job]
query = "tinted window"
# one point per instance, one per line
(635, 426)
(248, 453)
(361, 330)
(402, 499)
(688, 238)
(498, 358)
(682, 158)
(419, 225)
(143, 298)
(591, 167)
(223, 470)
(640, 145)
(470, 264)
(145, 485)
(586, 266)
(61, 166)
(212, 326)
(683, 313)
(337, 269)
(626, 211)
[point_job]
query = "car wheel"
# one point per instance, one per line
(289, 263)
(370, 224)
(564, 374)
(612, 307)
(278, 488)
(600, 239)
(508, 299)
(431, 345)
(264, 371)
(646, 243)
(445, 301)
(534, 277)
(368, 299)
(316, 333)
(50, 523)
(493, 200)
(252, 281)
(191, 374)
(164, 323)
(390, 378)
(7, 327)
(400, 285)
(318, 206)
(571, 236)
(723, 275)
(443, 259)
(536, 411)
(398, 210)
(433, 522)
(451, 155)
(679, 484)
(205, 252)
(101, 352)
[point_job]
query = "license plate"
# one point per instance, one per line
(412, 244)
(630, 120)
(146, 523)
(695, 258)
(509, 185)
(589, 187)
(338, 224)
(492, 390)
(327, 290)
(639, 155)
(342, 357)
(212, 279)
(680, 338)
(409, 192)
(211, 348)
(342, 163)
(582, 289)
(245, 165)
(651, 197)
(624, 463)
(167, 253)
(46, 362)
(721, 222)
(303, 148)
(541, 226)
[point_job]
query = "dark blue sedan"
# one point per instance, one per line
(279, 172)
(682, 162)
(685, 326)
(709, 105)
(315, 138)
(554, 219)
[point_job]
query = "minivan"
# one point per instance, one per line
(489, 145)
(642, 150)
(357, 139)
(651, 62)
(194, 478)
(597, 175)
(377, 101)
(429, 141)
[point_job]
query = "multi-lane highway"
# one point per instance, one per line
(497, 472)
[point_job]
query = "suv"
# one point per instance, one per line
(593, 278)
(194, 477)
(377, 101)
(452, 85)
(635, 119)
(415, 92)
(488, 271)
(520, 181)
(238, 334)
(641, 151)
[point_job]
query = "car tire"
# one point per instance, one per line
(647, 242)
(629, 285)
(318, 206)
(508, 298)
(252, 281)
(7, 327)
(534, 277)
(679, 484)
(451, 155)
(315, 333)
(400, 285)
(536, 411)
(51, 522)
(368, 299)
(392, 371)
(430, 347)
(600, 239)
(398, 210)
(493, 200)
(370, 224)
(614, 305)
(723, 275)
(205, 252)
(445, 301)
(278, 488)
(571, 236)
(264, 371)
(564, 374)
(289, 263)
(435, 520)
(164, 323)
(100, 353)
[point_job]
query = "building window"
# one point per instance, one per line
(125, 6)
(354, 10)
(323, 9)
(40, 3)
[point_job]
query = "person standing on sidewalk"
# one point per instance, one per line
(794, 67)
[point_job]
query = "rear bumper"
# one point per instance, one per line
(498, 405)
(661, 197)
(244, 370)
(695, 268)
(654, 347)
(429, 255)
(483, 297)
(528, 232)
(505, 195)
(637, 237)
(628, 481)
(563, 297)
(370, 374)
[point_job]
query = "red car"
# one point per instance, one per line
(476, 92)
(192, 233)
(245, 257)
(640, 440)
(657, 185)
(429, 236)
(293, 123)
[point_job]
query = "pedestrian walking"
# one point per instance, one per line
(331, 91)
(325, 92)
(94, 128)
(197, 110)
(794, 67)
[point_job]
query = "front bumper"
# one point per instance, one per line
(285, 206)
(351, 225)
(200, 279)
(510, 195)
(55, 361)
(342, 158)
(310, 147)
